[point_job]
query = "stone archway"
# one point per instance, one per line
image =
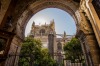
(88, 40)
(24, 10)
(69, 7)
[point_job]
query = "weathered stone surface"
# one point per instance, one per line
(3, 8)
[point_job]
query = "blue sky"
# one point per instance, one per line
(63, 21)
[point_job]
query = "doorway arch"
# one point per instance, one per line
(69, 6)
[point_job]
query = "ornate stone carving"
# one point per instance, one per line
(78, 16)
(84, 24)
(52, 25)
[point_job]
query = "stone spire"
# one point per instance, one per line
(33, 24)
(64, 35)
(52, 25)
(32, 28)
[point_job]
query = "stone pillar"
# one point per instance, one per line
(51, 44)
(94, 50)
(84, 48)
(89, 42)
(90, 49)
(5, 42)
(14, 52)
(55, 47)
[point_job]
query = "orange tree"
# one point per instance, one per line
(32, 54)
(73, 50)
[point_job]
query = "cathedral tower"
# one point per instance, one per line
(45, 33)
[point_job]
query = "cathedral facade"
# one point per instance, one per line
(46, 33)
(48, 36)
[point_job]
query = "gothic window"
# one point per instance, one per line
(96, 4)
(42, 31)
(59, 46)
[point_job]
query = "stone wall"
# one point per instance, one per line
(14, 52)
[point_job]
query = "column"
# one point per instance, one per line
(90, 41)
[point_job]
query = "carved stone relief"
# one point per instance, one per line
(84, 24)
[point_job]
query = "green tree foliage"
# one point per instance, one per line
(32, 54)
(73, 50)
